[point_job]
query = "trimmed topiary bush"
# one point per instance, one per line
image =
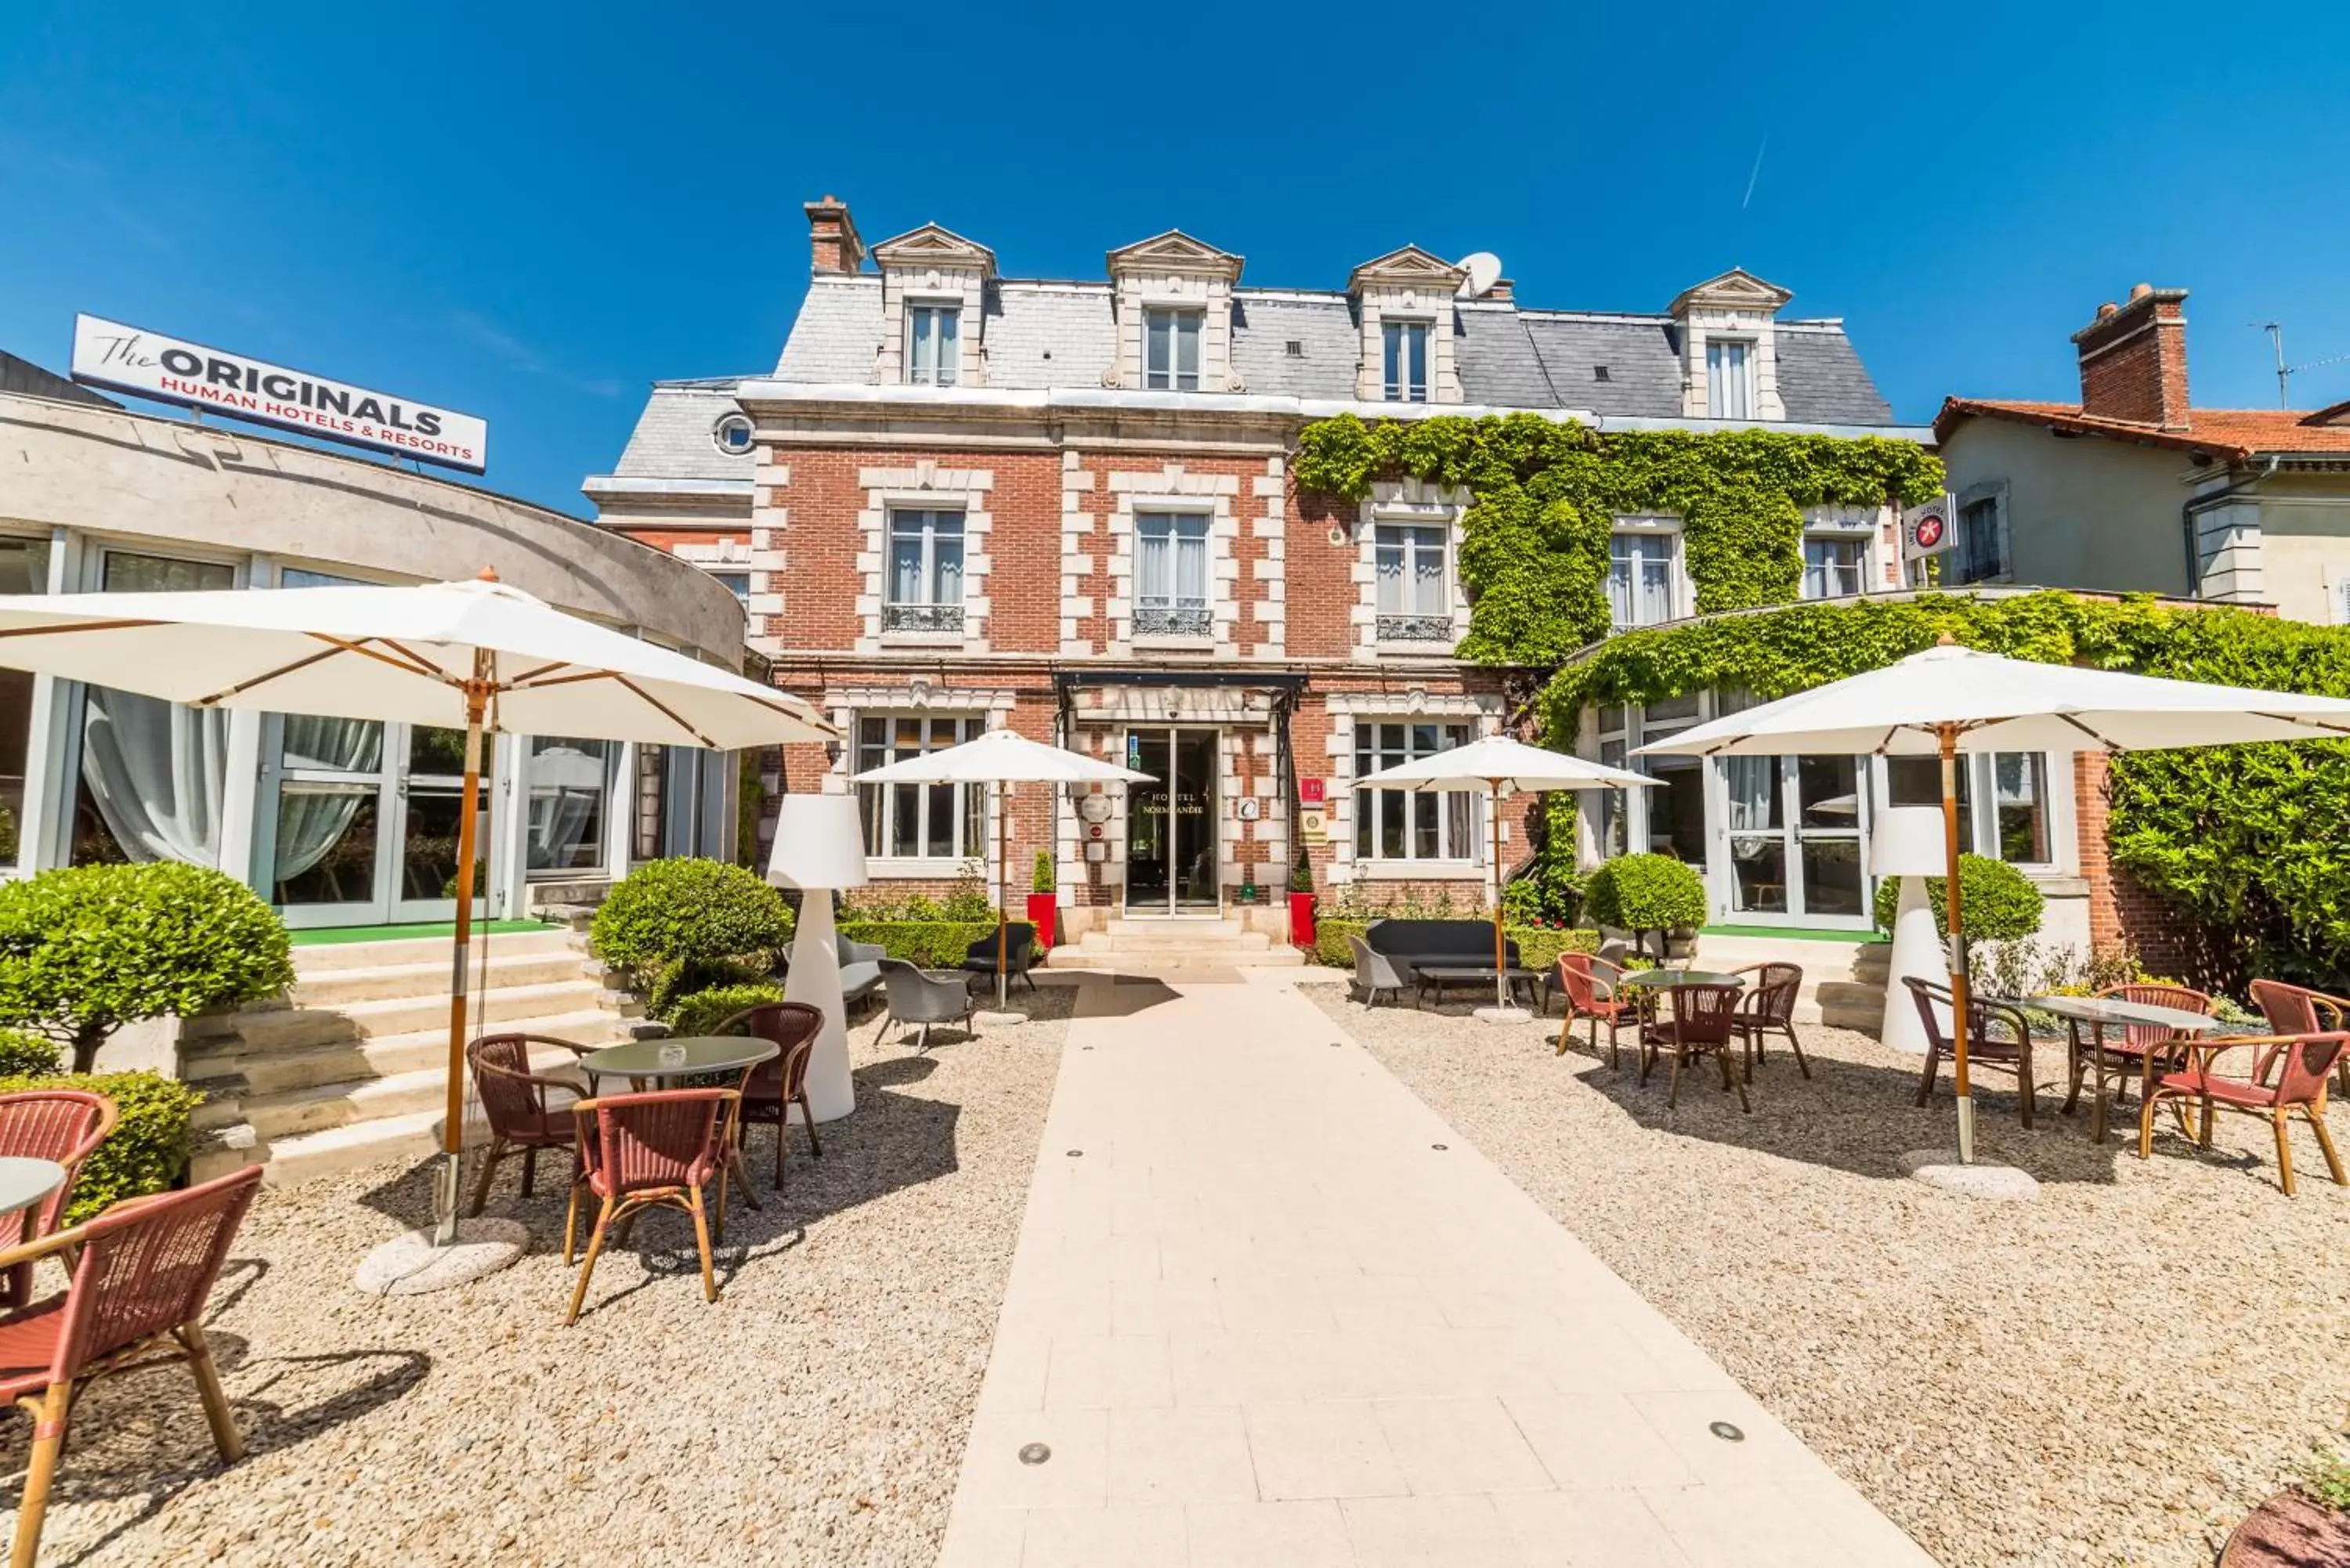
(148, 1146)
(704, 1011)
(925, 944)
(1999, 904)
(682, 925)
(1644, 893)
(85, 950)
(24, 1054)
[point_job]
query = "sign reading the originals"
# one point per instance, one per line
(174, 370)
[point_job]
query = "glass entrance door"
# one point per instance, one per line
(365, 831)
(1171, 825)
(431, 789)
(1795, 827)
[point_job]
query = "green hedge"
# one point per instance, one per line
(925, 944)
(1538, 946)
(24, 1055)
(1643, 893)
(149, 1144)
(1998, 903)
(704, 1011)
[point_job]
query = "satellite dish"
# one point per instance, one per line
(1484, 269)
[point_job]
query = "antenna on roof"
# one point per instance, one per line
(2286, 373)
(1484, 270)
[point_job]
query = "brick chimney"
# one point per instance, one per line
(2134, 359)
(833, 244)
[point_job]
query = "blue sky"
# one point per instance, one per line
(529, 212)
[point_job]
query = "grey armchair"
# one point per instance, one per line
(920, 997)
(1019, 951)
(860, 971)
(1376, 971)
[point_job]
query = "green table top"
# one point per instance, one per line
(703, 1053)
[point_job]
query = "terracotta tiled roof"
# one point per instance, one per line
(2223, 433)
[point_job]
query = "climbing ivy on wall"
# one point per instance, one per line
(1546, 494)
(2250, 844)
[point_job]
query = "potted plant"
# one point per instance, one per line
(1301, 903)
(1044, 903)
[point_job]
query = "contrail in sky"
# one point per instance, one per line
(1757, 174)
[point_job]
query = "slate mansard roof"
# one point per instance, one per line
(1041, 336)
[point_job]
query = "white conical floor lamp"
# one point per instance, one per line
(1907, 844)
(820, 849)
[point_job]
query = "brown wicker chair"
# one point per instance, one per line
(2297, 1010)
(142, 1271)
(1704, 1023)
(2137, 1041)
(645, 1151)
(2007, 1053)
(774, 1087)
(62, 1125)
(2288, 1074)
(1769, 1008)
(514, 1100)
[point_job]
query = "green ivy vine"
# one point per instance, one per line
(2247, 843)
(1544, 496)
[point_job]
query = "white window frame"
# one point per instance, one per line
(941, 366)
(1719, 387)
(1398, 336)
(1180, 319)
(1177, 524)
(1411, 541)
(876, 801)
(1981, 806)
(1461, 844)
(1669, 533)
(1863, 568)
(928, 530)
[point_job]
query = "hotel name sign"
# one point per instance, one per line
(174, 370)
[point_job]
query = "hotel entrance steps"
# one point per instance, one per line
(350, 1068)
(1843, 982)
(1147, 942)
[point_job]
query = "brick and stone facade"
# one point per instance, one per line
(1090, 534)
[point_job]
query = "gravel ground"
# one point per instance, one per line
(2111, 1374)
(815, 1415)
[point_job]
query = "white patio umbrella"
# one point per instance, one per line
(1950, 700)
(1493, 764)
(1002, 757)
(477, 654)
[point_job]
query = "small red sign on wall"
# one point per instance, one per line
(1309, 791)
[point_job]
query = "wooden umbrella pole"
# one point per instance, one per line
(452, 1125)
(1501, 972)
(1957, 943)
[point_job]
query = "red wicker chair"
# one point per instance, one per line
(2297, 1010)
(1704, 1023)
(514, 1100)
(645, 1151)
(1594, 990)
(2136, 1040)
(2288, 1074)
(141, 1277)
(1769, 1008)
(63, 1124)
(774, 1087)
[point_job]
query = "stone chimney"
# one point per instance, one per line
(833, 244)
(2134, 359)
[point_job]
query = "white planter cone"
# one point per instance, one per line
(1917, 950)
(814, 978)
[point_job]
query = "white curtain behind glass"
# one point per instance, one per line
(1753, 791)
(312, 819)
(157, 772)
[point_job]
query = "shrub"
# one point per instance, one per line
(148, 1146)
(24, 1054)
(1644, 893)
(1040, 880)
(886, 906)
(1301, 875)
(686, 924)
(704, 1011)
(925, 944)
(2000, 903)
(969, 901)
(85, 950)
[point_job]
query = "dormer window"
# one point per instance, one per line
(933, 345)
(1406, 361)
(1170, 361)
(1729, 378)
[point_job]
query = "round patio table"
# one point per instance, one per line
(2101, 1011)
(25, 1181)
(1674, 979)
(639, 1060)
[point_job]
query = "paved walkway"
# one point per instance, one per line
(1268, 1309)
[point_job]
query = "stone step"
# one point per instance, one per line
(305, 1110)
(377, 983)
(323, 956)
(1873, 963)
(330, 1151)
(1199, 957)
(1173, 941)
(272, 1070)
(1198, 927)
(294, 1027)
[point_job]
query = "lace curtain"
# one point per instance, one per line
(157, 772)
